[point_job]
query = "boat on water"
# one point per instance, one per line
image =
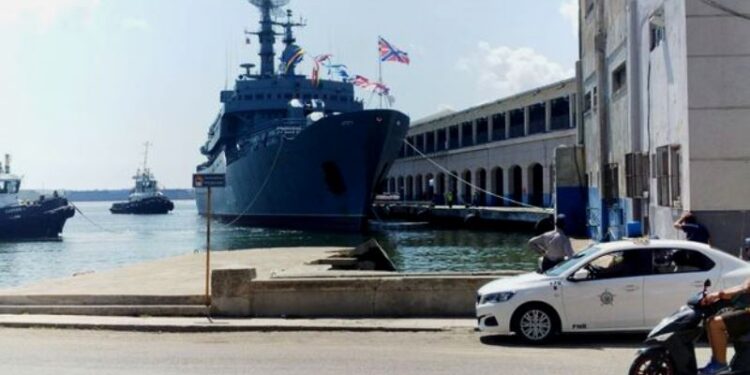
(297, 152)
(41, 219)
(145, 198)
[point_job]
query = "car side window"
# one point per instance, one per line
(619, 264)
(668, 261)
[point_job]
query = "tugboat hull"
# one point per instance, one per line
(145, 206)
(40, 220)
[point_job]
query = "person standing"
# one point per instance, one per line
(694, 231)
(554, 246)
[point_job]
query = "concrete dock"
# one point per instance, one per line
(507, 218)
(270, 283)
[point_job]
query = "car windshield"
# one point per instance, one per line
(571, 262)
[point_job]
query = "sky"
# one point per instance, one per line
(85, 83)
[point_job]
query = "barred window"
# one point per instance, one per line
(636, 174)
(611, 182)
(669, 176)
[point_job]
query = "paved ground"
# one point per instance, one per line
(188, 324)
(181, 275)
(37, 351)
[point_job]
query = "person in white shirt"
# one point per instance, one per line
(554, 246)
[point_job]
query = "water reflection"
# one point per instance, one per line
(131, 239)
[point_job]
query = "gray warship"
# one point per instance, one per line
(297, 152)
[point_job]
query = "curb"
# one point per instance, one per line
(218, 327)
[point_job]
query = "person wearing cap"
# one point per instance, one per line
(554, 246)
(694, 231)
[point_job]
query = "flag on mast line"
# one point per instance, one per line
(390, 53)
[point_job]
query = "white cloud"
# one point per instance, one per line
(569, 11)
(504, 71)
(43, 13)
(132, 23)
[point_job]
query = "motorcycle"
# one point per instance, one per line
(669, 348)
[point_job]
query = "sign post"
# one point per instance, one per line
(208, 181)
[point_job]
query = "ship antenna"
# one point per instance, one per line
(267, 35)
(7, 163)
(145, 156)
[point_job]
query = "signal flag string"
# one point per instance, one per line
(448, 172)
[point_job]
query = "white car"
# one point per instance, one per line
(617, 286)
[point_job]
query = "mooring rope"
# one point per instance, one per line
(92, 222)
(448, 172)
(263, 186)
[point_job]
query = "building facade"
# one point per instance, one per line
(505, 147)
(665, 103)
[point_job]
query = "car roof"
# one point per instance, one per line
(659, 244)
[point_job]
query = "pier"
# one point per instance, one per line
(521, 218)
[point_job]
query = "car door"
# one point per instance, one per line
(676, 275)
(612, 296)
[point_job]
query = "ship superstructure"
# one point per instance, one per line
(43, 218)
(296, 152)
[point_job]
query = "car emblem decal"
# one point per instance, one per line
(607, 298)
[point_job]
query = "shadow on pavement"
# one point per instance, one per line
(574, 341)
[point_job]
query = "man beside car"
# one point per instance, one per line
(554, 246)
(720, 328)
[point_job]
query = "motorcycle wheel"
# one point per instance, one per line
(655, 362)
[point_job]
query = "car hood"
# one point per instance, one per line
(528, 280)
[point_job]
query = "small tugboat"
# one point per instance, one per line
(145, 198)
(42, 219)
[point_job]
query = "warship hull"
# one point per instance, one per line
(40, 220)
(323, 178)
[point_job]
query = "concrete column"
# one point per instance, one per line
(435, 143)
(526, 121)
(490, 125)
(507, 125)
(571, 109)
(474, 132)
(460, 135)
(546, 183)
(525, 183)
(547, 116)
(507, 175)
(447, 137)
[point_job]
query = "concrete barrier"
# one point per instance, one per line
(235, 292)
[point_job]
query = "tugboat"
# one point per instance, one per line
(145, 198)
(297, 152)
(42, 219)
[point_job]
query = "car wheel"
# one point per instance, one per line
(652, 363)
(536, 324)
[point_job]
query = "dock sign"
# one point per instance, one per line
(209, 180)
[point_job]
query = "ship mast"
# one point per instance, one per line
(145, 156)
(267, 35)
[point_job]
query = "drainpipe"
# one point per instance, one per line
(634, 100)
(600, 45)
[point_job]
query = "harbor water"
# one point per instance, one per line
(107, 241)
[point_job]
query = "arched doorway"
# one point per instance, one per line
(409, 188)
(418, 188)
(498, 186)
(482, 184)
(467, 190)
(429, 183)
(536, 184)
(400, 187)
(516, 184)
(440, 189)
